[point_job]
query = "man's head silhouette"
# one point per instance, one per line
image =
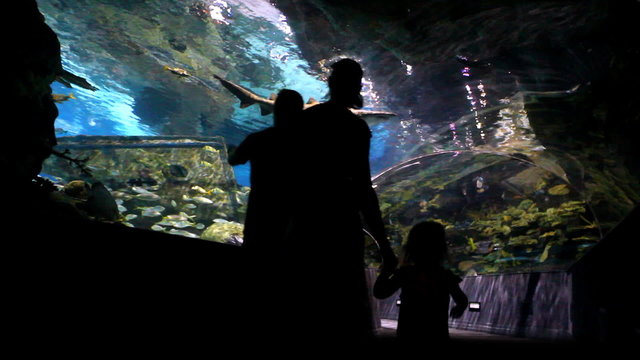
(345, 83)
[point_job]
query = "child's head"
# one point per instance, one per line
(426, 244)
(287, 108)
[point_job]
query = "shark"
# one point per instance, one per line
(248, 98)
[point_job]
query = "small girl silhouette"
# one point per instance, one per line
(425, 286)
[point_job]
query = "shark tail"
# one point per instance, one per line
(245, 100)
(265, 109)
(246, 103)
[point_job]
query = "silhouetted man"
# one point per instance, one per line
(335, 200)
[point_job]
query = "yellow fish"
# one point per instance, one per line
(559, 190)
(60, 98)
(177, 71)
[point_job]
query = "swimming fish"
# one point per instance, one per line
(202, 200)
(182, 233)
(248, 98)
(60, 98)
(67, 78)
(177, 71)
(148, 197)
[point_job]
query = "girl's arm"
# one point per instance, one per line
(461, 300)
(459, 297)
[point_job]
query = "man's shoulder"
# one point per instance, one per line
(327, 112)
(270, 131)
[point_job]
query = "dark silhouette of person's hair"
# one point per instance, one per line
(287, 108)
(426, 244)
(426, 286)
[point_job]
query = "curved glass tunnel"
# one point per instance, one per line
(484, 141)
(502, 213)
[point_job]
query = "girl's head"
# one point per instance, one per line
(426, 244)
(287, 108)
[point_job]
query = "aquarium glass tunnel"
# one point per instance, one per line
(476, 141)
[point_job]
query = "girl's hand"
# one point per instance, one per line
(457, 311)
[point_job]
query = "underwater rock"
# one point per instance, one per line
(175, 173)
(100, 204)
(78, 189)
(223, 231)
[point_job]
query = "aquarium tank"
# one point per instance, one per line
(477, 106)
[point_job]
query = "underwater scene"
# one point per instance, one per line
(501, 213)
(181, 186)
(466, 131)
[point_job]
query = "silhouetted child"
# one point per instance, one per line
(267, 218)
(426, 286)
(269, 152)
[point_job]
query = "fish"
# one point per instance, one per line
(140, 190)
(199, 189)
(182, 233)
(178, 71)
(181, 224)
(151, 213)
(180, 217)
(148, 197)
(60, 98)
(67, 78)
(202, 200)
(248, 98)
(559, 190)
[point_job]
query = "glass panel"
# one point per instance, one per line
(501, 213)
(178, 185)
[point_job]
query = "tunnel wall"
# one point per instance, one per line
(533, 305)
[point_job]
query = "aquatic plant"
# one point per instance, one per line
(491, 225)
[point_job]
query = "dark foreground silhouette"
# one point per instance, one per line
(426, 286)
(334, 201)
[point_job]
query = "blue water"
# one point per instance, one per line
(110, 110)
